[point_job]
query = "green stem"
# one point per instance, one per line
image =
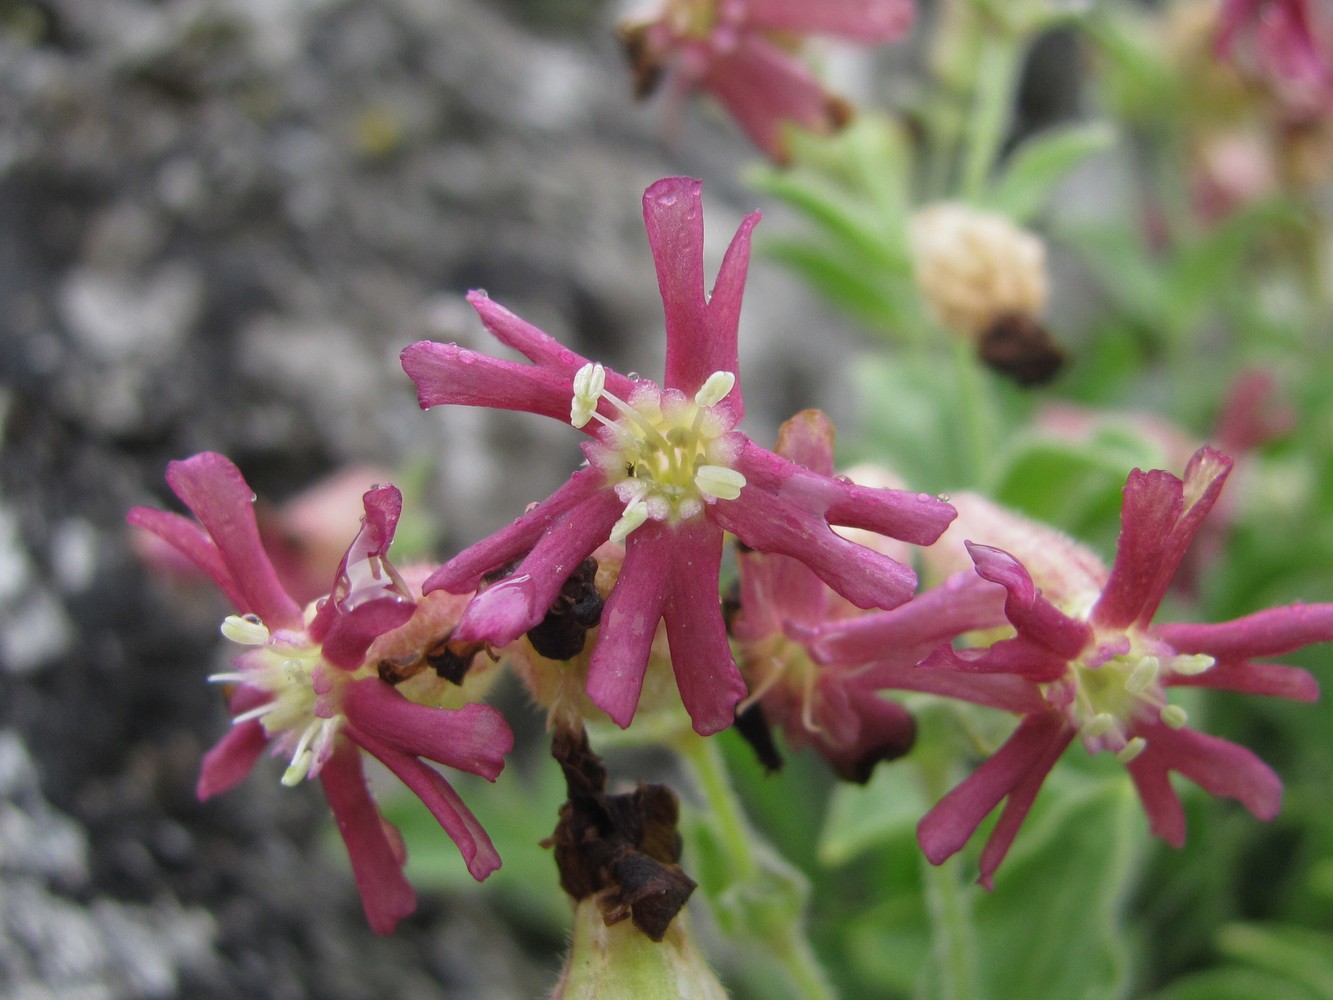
(953, 943)
(954, 947)
(788, 945)
(992, 99)
(711, 774)
(978, 416)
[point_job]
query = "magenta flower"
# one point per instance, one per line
(740, 51)
(667, 473)
(1104, 670)
(816, 662)
(1285, 37)
(304, 688)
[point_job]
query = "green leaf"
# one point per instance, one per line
(861, 818)
(1035, 167)
(1232, 984)
(1299, 955)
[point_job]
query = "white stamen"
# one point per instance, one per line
(247, 630)
(1131, 749)
(1099, 725)
(589, 381)
(635, 514)
(254, 713)
(1192, 665)
(299, 768)
(232, 678)
(714, 389)
(1174, 716)
(719, 481)
(1144, 675)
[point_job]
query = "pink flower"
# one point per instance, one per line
(816, 661)
(1284, 33)
(1104, 670)
(667, 473)
(740, 51)
(305, 689)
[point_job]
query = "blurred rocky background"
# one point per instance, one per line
(220, 220)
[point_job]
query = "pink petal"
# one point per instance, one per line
(1270, 679)
(629, 623)
(860, 20)
(474, 738)
(376, 865)
(214, 490)
(1035, 618)
(1265, 633)
(701, 333)
(807, 440)
(193, 542)
(429, 786)
(508, 608)
(1217, 766)
(961, 604)
(1008, 692)
(1166, 816)
(914, 517)
(1016, 809)
(447, 373)
(1019, 656)
(231, 759)
(1159, 519)
(463, 573)
(944, 830)
(766, 522)
(709, 682)
(779, 595)
(536, 345)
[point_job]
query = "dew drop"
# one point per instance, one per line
(634, 377)
(467, 357)
(531, 507)
(942, 497)
(845, 480)
(923, 497)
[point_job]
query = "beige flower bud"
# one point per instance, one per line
(975, 268)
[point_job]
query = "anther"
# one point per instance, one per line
(589, 381)
(1174, 716)
(1131, 749)
(1144, 675)
(1192, 664)
(715, 389)
(719, 481)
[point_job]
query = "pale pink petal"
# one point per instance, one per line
(447, 373)
(429, 786)
(376, 865)
(1003, 691)
(717, 351)
(1265, 633)
(214, 490)
(1159, 519)
(709, 682)
(462, 574)
(764, 88)
(779, 595)
(1020, 656)
(859, 20)
(474, 738)
(944, 830)
(629, 623)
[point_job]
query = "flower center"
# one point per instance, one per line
(666, 455)
(692, 18)
(1119, 681)
(301, 715)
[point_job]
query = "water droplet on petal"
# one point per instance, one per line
(634, 377)
(923, 497)
(531, 507)
(845, 480)
(942, 497)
